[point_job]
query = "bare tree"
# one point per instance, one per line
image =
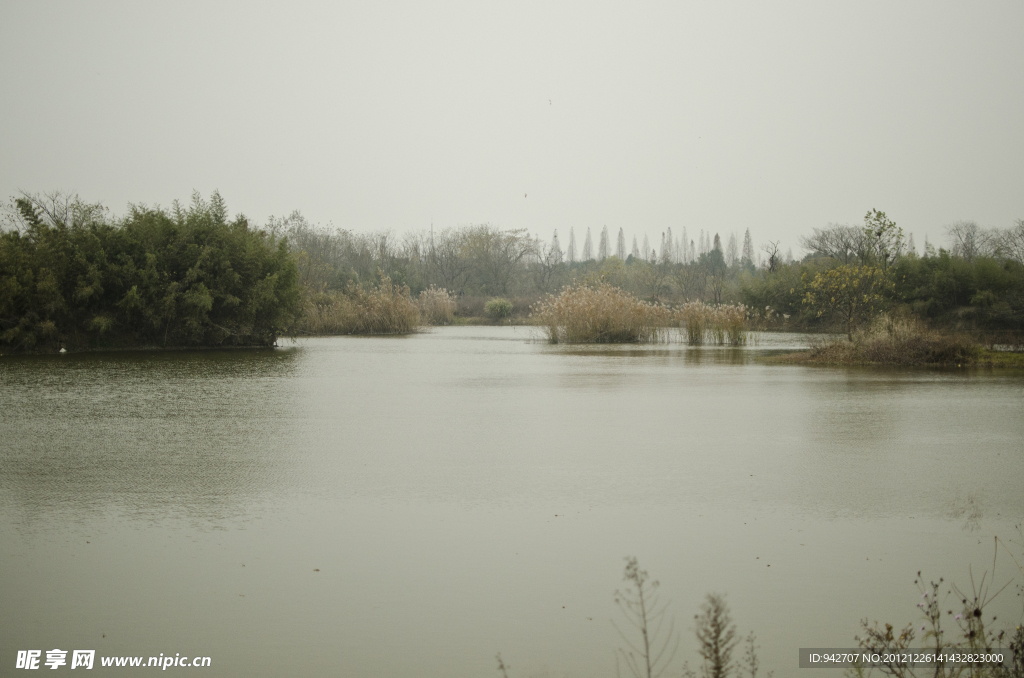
(447, 263)
(843, 243)
(545, 259)
(1011, 243)
(772, 250)
(690, 281)
(655, 278)
(495, 254)
(56, 209)
(970, 240)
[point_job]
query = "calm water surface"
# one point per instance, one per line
(411, 506)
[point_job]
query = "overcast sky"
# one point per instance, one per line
(777, 117)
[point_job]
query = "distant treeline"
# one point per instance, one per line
(977, 283)
(70, 276)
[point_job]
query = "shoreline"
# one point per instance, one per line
(987, 358)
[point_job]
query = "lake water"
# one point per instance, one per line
(412, 506)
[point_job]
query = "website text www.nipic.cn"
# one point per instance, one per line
(86, 659)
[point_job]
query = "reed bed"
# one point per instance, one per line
(386, 309)
(601, 314)
(722, 325)
(437, 306)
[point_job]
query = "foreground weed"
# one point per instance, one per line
(651, 639)
(640, 604)
(970, 633)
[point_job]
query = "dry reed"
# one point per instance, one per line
(725, 324)
(601, 314)
(386, 309)
(437, 306)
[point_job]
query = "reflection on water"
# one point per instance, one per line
(383, 506)
(150, 433)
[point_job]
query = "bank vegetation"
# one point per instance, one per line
(71, 275)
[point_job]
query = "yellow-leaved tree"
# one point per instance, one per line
(849, 293)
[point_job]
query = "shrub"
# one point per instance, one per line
(386, 309)
(498, 308)
(437, 306)
(600, 314)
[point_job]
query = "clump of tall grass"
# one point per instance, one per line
(437, 306)
(899, 341)
(600, 314)
(725, 324)
(386, 309)
(498, 308)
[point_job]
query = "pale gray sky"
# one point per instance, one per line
(721, 116)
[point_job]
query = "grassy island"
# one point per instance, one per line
(904, 341)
